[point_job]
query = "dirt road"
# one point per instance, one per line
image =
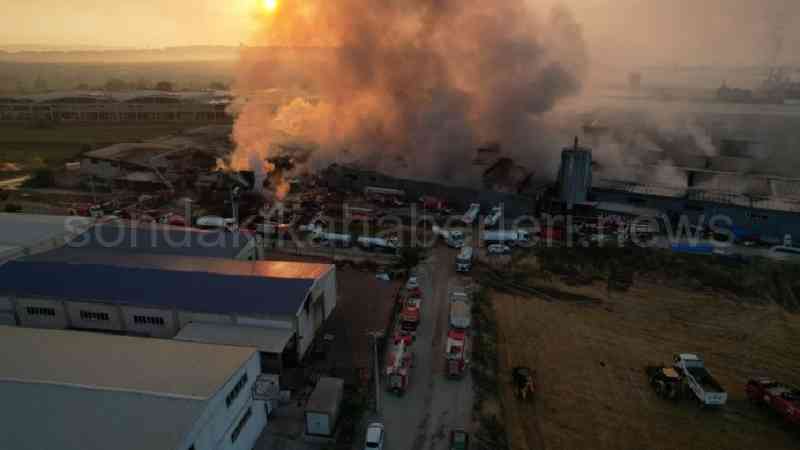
(433, 404)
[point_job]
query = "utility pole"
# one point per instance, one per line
(376, 370)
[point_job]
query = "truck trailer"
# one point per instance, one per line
(699, 380)
(464, 260)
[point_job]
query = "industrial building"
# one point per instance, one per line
(81, 107)
(158, 295)
(90, 391)
(156, 239)
(758, 205)
(27, 234)
(168, 162)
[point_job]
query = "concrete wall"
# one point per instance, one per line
(114, 322)
(167, 330)
(60, 320)
(213, 429)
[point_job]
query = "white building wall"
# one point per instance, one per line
(26, 319)
(167, 330)
(186, 317)
(310, 320)
(114, 322)
(214, 428)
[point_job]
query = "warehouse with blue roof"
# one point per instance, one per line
(159, 294)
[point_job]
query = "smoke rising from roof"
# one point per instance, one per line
(414, 87)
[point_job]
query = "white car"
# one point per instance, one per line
(499, 249)
(412, 283)
(375, 436)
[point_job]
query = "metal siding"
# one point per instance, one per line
(60, 321)
(114, 322)
(168, 330)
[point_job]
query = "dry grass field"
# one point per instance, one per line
(593, 393)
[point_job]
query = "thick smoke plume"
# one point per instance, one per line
(408, 87)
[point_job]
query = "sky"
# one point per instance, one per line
(691, 32)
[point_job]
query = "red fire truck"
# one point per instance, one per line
(456, 353)
(400, 360)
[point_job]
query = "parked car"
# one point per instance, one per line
(499, 249)
(781, 398)
(459, 440)
(375, 436)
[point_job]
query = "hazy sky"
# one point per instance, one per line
(645, 31)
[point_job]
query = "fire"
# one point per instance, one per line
(270, 5)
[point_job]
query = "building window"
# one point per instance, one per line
(236, 390)
(149, 320)
(36, 311)
(241, 424)
(91, 315)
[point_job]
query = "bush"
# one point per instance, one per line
(42, 178)
(13, 208)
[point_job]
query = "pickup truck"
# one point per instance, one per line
(779, 397)
(705, 388)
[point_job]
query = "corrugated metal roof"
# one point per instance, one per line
(101, 361)
(153, 240)
(268, 340)
(191, 284)
(88, 391)
(37, 417)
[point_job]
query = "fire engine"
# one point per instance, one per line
(398, 368)
(455, 353)
(411, 315)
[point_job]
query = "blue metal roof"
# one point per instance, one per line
(195, 291)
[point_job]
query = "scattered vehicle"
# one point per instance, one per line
(498, 249)
(456, 353)
(459, 440)
(460, 315)
(333, 240)
(523, 379)
(385, 244)
(471, 214)
(665, 381)
(508, 237)
(705, 388)
(398, 368)
(464, 260)
(412, 283)
(411, 315)
(495, 216)
(779, 397)
(785, 253)
(216, 223)
(453, 238)
(376, 435)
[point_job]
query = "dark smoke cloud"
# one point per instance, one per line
(411, 87)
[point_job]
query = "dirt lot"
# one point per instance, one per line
(593, 393)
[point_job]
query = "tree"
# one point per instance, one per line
(218, 86)
(41, 178)
(165, 86)
(116, 85)
(410, 257)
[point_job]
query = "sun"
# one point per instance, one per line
(270, 5)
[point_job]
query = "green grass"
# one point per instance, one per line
(39, 147)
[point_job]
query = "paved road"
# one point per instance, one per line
(433, 405)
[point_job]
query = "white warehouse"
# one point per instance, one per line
(72, 390)
(158, 295)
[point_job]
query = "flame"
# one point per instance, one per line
(270, 5)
